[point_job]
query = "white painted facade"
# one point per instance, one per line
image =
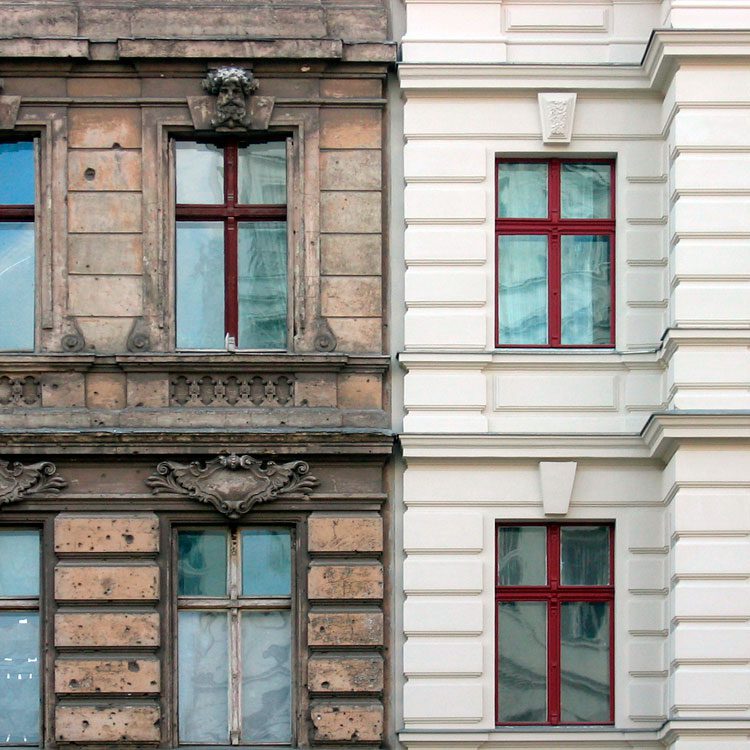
(658, 428)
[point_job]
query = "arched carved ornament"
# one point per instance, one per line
(18, 481)
(232, 484)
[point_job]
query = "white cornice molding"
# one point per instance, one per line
(664, 433)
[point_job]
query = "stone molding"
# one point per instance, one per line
(18, 481)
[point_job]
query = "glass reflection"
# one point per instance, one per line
(266, 562)
(522, 556)
(19, 563)
(19, 677)
(522, 640)
(204, 677)
(584, 556)
(523, 191)
(199, 172)
(17, 284)
(17, 173)
(584, 662)
(585, 191)
(202, 563)
(262, 173)
(266, 679)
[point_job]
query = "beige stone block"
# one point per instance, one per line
(105, 296)
(98, 724)
(361, 335)
(345, 533)
(348, 723)
(345, 674)
(101, 86)
(104, 212)
(93, 676)
(350, 170)
(105, 390)
(315, 389)
(345, 581)
(106, 582)
(111, 169)
(104, 127)
(350, 296)
(63, 389)
(341, 88)
(106, 533)
(104, 629)
(360, 392)
(105, 334)
(105, 254)
(148, 389)
(350, 212)
(351, 254)
(345, 629)
(350, 127)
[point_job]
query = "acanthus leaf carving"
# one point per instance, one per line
(18, 481)
(233, 484)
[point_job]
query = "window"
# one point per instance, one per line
(20, 694)
(555, 241)
(234, 634)
(17, 264)
(231, 245)
(555, 600)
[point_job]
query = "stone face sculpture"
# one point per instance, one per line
(232, 86)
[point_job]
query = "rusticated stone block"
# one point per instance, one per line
(104, 127)
(107, 724)
(345, 296)
(350, 212)
(350, 170)
(106, 254)
(105, 390)
(63, 389)
(95, 629)
(105, 296)
(147, 389)
(357, 334)
(341, 88)
(350, 128)
(315, 389)
(348, 723)
(110, 169)
(105, 334)
(351, 254)
(358, 581)
(107, 676)
(345, 674)
(106, 582)
(345, 629)
(345, 533)
(360, 392)
(76, 533)
(104, 212)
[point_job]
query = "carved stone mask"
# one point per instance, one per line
(231, 85)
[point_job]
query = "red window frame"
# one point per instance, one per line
(554, 227)
(553, 594)
(230, 212)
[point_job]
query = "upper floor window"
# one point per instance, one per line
(555, 595)
(231, 245)
(17, 264)
(555, 241)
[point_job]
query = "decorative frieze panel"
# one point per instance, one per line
(25, 391)
(232, 390)
(18, 481)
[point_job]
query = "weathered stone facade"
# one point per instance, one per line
(105, 396)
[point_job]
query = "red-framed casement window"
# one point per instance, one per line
(231, 244)
(555, 624)
(555, 253)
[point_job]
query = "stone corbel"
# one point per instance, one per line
(232, 484)
(9, 106)
(18, 481)
(73, 339)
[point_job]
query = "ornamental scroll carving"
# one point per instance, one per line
(233, 484)
(18, 481)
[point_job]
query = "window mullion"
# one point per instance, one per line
(235, 657)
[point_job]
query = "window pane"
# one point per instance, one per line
(200, 285)
(584, 556)
(523, 191)
(262, 284)
(522, 639)
(266, 678)
(17, 284)
(199, 172)
(586, 289)
(266, 562)
(17, 173)
(19, 677)
(262, 173)
(523, 289)
(202, 563)
(19, 564)
(585, 191)
(522, 556)
(204, 677)
(584, 662)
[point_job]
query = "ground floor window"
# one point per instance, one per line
(555, 599)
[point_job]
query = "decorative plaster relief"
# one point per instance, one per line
(232, 390)
(232, 484)
(26, 391)
(557, 485)
(18, 481)
(557, 112)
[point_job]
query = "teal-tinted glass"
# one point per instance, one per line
(199, 173)
(584, 556)
(17, 283)
(585, 191)
(522, 556)
(266, 562)
(17, 173)
(261, 173)
(262, 284)
(523, 191)
(20, 692)
(19, 564)
(202, 563)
